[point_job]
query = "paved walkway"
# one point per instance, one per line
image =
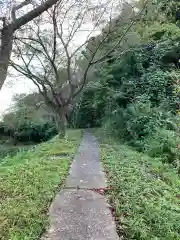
(78, 213)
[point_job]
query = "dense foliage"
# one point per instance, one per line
(30, 132)
(24, 125)
(135, 95)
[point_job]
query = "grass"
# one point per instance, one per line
(11, 150)
(28, 183)
(144, 192)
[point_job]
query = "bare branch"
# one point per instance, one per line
(54, 34)
(15, 8)
(33, 14)
(83, 81)
(47, 54)
(36, 80)
(66, 51)
(94, 28)
(84, 78)
(21, 39)
(120, 39)
(74, 30)
(27, 72)
(67, 11)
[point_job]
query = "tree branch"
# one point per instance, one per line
(66, 51)
(30, 45)
(54, 34)
(15, 8)
(33, 14)
(121, 38)
(48, 56)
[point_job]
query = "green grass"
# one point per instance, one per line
(28, 182)
(11, 150)
(145, 192)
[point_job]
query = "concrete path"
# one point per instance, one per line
(78, 213)
(86, 171)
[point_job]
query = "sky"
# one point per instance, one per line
(11, 87)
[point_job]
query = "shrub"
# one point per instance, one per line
(163, 143)
(138, 120)
(35, 132)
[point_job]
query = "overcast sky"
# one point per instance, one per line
(12, 87)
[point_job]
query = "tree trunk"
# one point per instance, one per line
(5, 52)
(61, 122)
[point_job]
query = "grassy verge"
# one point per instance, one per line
(144, 192)
(28, 183)
(12, 150)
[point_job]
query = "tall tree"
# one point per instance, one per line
(50, 58)
(12, 23)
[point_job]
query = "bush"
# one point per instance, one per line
(138, 121)
(35, 132)
(163, 143)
